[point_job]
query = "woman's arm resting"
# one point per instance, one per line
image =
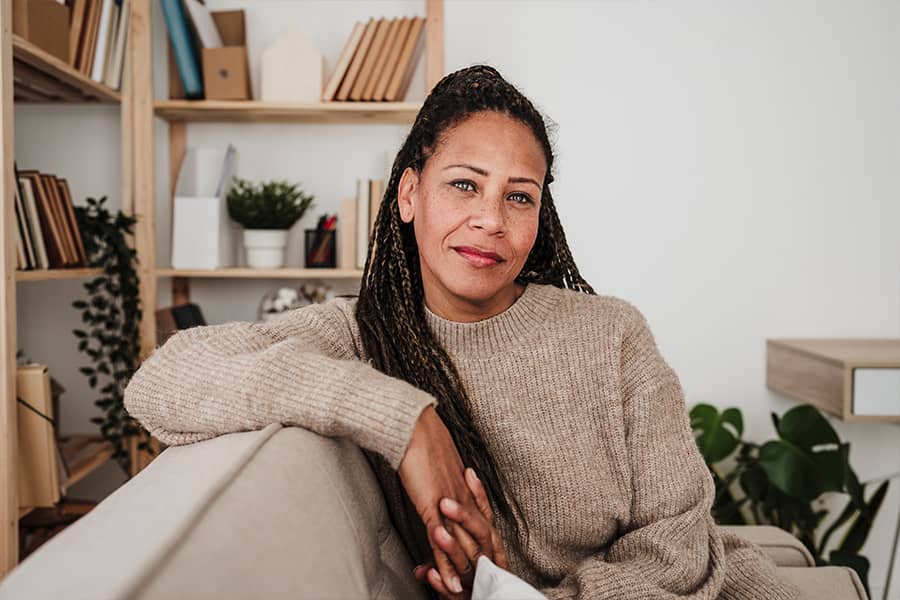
(300, 371)
(671, 548)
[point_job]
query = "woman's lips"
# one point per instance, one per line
(476, 259)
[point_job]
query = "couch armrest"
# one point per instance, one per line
(785, 549)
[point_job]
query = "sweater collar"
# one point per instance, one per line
(524, 318)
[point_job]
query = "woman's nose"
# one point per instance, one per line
(489, 215)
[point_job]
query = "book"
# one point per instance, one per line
(365, 71)
(66, 195)
(187, 58)
(76, 29)
(376, 190)
(203, 25)
(358, 58)
(33, 221)
(38, 479)
(402, 31)
(362, 222)
(343, 62)
(90, 39)
(23, 238)
(98, 64)
(113, 77)
(403, 72)
(52, 191)
(347, 234)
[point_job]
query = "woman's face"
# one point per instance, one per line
(479, 193)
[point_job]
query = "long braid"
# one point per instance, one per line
(390, 310)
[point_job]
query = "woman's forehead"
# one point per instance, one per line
(492, 142)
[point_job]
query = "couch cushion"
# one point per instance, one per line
(275, 513)
(825, 583)
(785, 549)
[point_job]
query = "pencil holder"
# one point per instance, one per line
(320, 248)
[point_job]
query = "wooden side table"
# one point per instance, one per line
(852, 379)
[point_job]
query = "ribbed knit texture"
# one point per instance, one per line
(571, 395)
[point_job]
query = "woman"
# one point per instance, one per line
(475, 342)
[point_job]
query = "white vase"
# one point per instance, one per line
(265, 248)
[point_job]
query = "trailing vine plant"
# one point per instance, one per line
(112, 313)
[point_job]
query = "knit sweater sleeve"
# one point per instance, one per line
(671, 547)
(301, 370)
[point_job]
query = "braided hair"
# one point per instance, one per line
(390, 311)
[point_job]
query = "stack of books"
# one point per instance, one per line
(98, 31)
(47, 232)
(377, 61)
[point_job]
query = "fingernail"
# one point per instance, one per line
(450, 504)
(455, 585)
(442, 531)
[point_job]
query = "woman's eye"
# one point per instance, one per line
(525, 198)
(463, 183)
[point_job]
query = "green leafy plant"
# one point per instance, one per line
(781, 481)
(267, 205)
(112, 313)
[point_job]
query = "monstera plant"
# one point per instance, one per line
(781, 482)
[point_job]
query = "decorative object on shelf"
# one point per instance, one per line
(44, 23)
(782, 480)
(292, 69)
(276, 302)
(320, 244)
(226, 70)
(173, 318)
(203, 237)
(266, 211)
(113, 313)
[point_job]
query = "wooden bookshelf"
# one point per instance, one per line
(41, 77)
(272, 112)
(48, 274)
(29, 74)
(244, 273)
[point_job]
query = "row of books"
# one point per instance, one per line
(377, 61)
(47, 233)
(356, 222)
(98, 31)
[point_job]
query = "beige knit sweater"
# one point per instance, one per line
(569, 392)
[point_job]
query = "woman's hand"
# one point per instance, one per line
(426, 573)
(432, 470)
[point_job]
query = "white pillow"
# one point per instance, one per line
(494, 583)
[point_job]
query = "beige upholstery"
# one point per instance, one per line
(280, 513)
(785, 549)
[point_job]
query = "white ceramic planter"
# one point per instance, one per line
(265, 248)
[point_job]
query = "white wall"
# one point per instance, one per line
(729, 167)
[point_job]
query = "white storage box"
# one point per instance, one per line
(203, 236)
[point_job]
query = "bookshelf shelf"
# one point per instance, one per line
(84, 454)
(272, 112)
(243, 273)
(48, 274)
(41, 77)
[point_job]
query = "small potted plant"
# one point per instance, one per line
(266, 211)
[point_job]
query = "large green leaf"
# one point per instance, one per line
(806, 428)
(719, 433)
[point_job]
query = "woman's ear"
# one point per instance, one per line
(407, 192)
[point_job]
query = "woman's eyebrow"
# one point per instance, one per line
(485, 174)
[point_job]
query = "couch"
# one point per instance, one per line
(276, 513)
